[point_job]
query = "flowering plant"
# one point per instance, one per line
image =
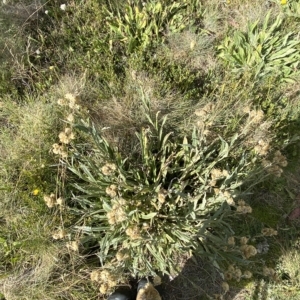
(170, 197)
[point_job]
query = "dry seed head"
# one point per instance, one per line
(256, 116)
(243, 208)
(248, 251)
(62, 102)
(269, 232)
(105, 276)
(231, 241)
(237, 274)
(70, 118)
(225, 287)
(59, 234)
(112, 283)
(50, 200)
(73, 246)
(275, 170)
(216, 173)
(120, 215)
(108, 169)
(200, 124)
(247, 274)
(204, 111)
(111, 190)
(111, 217)
(225, 173)
(217, 191)
(66, 136)
(269, 272)
(122, 255)
(244, 240)
(72, 101)
(104, 288)
(133, 232)
(95, 275)
(262, 148)
(161, 196)
(246, 209)
(60, 201)
(212, 182)
(241, 203)
(157, 280)
(279, 159)
(231, 268)
(122, 202)
(59, 149)
(56, 148)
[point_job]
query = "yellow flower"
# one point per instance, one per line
(35, 192)
(283, 2)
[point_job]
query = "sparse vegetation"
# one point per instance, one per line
(143, 139)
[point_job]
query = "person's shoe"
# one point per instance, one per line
(121, 294)
(146, 291)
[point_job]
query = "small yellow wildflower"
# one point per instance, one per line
(35, 192)
(283, 2)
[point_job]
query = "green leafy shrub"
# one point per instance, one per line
(168, 198)
(138, 25)
(262, 51)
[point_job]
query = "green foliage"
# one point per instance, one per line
(139, 25)
(262, 51)
(292, 8)
(158, 203)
